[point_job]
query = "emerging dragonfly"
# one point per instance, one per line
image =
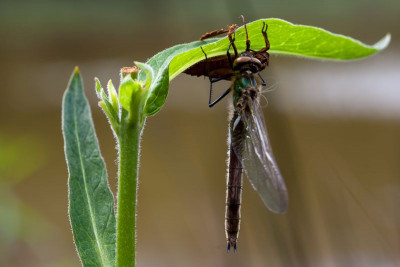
(249, 147)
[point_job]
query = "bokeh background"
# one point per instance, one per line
(334, 128)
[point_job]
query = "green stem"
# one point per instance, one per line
(128, 139)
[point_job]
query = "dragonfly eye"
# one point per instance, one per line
(242, 60)
(244, 63)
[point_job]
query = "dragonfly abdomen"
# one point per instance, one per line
(233, 200)
(233, 193)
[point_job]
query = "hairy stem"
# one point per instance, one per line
(129, 140)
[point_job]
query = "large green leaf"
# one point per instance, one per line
(285, 38)
(91, 203)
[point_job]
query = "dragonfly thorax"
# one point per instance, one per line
(245, 86)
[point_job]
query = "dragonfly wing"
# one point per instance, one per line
(257, 159)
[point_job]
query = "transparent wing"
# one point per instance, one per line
(257, 159)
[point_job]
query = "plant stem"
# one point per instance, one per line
(128, 139)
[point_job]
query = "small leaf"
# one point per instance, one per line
(111, 115)
(158, 93)
(99, 88)
(91, 203)
(148, 70)
(112, 95)
(127, 89)
(158, 88)
(108, 108)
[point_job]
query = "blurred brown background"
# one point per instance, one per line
(334, 128)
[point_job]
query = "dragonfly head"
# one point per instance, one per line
(247, 62)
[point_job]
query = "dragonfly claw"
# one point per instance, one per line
(230, 244)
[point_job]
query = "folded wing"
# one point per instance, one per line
(254, 150)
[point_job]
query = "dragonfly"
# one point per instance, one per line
(249, 146)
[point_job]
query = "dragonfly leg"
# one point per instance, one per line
(214, 80)
(232, 31)
(228, 55)
(207, 67)
(263, 52)
(232, 44)
(247, 35)
(262, 80)
(211, 104)
(264, 33)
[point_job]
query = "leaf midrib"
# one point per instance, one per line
(100, 252)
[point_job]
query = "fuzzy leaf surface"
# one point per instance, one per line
(91, 203)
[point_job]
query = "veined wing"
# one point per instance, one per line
(257, 158)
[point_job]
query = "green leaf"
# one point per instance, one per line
(91, 203)
(161, 76)
(111, 112)
(285, 38)
(148, 70)
(109, 104)
(158, 89)
(127, 89)
(113, 96)
(158, 94)
(99, 88)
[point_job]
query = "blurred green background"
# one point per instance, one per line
(334, 128)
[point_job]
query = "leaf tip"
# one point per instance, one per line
(102, 104)
(384, 42)
(76, 70)
(148, 70)
(98, 87)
